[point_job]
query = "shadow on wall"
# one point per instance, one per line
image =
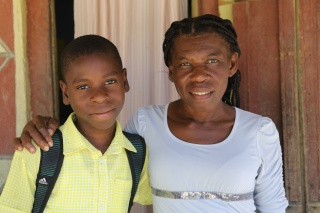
(5, 162)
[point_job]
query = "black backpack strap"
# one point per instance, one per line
(49, 169)
(136, 161)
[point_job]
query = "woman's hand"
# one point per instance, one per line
(40, 129)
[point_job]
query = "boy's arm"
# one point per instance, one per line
(40, 129)
(18, 192)
(143, 195)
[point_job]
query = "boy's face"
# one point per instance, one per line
(95, 88)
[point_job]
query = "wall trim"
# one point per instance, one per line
(22, 82)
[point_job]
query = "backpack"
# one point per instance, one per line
(51, 163)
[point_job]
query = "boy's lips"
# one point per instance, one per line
(102, 114)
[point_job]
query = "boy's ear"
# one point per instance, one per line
(170, 73)
(233, 64)
(125, 80)
(64, 89)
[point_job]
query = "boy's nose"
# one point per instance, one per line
(99, 95)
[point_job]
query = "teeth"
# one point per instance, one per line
(200, 93)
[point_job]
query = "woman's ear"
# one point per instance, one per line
(125, 80)
(64, 89)
(233, 64)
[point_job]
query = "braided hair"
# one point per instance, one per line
(203, 25)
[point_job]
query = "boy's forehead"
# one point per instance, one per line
(103, 58)
(90, 64)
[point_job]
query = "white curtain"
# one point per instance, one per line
(137, 28)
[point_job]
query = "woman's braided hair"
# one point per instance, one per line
(203, 25)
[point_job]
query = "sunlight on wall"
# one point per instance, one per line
(22, 74)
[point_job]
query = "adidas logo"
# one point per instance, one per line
(43, 181)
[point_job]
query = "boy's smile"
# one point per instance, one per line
(95, 88)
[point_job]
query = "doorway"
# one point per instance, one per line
(64, 35)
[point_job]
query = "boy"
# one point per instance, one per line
(95, 176)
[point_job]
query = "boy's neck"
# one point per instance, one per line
(100, 139)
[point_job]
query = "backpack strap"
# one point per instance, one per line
(136, 161)
(49, 169)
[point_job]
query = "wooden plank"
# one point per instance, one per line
(308, 37)
(263, 60)
(7, 79)
(293, 147)
(240, 22)
(39, 57)
(294, 208)
(313, 207)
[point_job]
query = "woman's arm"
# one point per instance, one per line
(269, 193)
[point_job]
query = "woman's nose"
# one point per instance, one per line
(199, 73)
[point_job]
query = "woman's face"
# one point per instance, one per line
(200, 68)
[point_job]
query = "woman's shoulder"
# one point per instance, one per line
(244, 115)
(247, 114)
(262, 128)
(150, 109)
(247, 119)
(262, 124)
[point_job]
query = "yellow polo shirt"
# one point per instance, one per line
(88, 181)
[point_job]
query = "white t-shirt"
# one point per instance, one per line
(248, 162)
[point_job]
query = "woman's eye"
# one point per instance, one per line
(212, 61)
(82, 87)
(110, 82)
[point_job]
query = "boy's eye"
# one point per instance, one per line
(82, 87)
(212, 61)
(110, 82)
(185, 64)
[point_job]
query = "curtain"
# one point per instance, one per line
(137, 28)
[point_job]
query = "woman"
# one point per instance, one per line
(205, 154)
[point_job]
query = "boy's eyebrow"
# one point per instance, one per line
(182, 58)
(108, 74)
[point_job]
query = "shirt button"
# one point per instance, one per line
(102, 162)
(101, 207)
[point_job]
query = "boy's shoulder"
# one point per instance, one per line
(30, 157)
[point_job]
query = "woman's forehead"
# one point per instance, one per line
(211, 42)
(212, 35)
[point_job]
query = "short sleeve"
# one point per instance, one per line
(269, 194)
(137, 123)
(18, 192)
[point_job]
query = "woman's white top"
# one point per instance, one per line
(240, 174)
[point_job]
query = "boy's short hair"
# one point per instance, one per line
(87, 45)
